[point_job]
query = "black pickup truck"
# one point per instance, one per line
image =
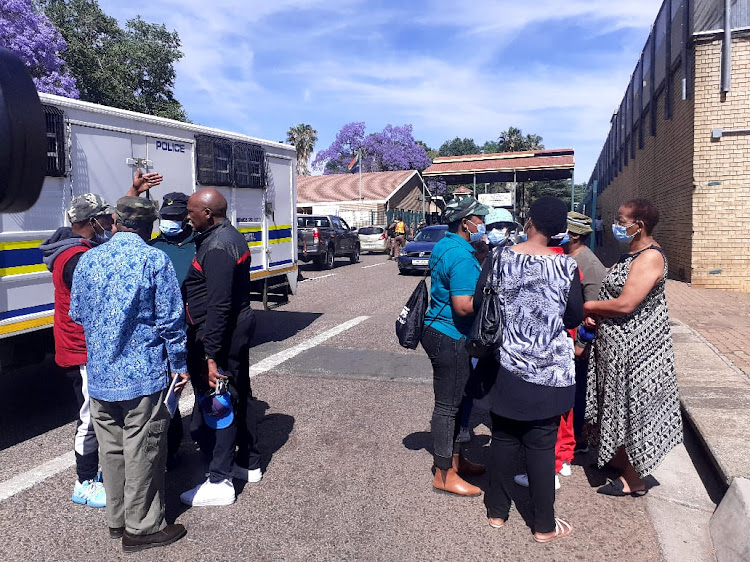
(322, 238)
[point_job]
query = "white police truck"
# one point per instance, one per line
(97, 149)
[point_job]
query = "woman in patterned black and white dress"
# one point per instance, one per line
(631, 399)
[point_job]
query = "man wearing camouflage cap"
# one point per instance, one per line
(126, 295)
(90, 224)
(593, 271)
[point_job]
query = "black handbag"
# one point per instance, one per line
(410, 322)
(487, 330)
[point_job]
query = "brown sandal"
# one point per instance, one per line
(562, 529)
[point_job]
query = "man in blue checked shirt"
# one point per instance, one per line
(126, 296)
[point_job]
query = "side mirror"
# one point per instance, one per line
(353, 228)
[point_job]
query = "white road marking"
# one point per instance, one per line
(35, 475)
(57, 465)
(373, 265)
(319, 277)
(274, 360)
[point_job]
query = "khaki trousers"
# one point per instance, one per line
(132, 438)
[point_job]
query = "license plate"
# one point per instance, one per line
(420, 262)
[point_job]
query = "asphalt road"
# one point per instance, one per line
(345, 434)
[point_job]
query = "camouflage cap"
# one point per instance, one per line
(578, 223)
(135, 212)
(88, 205)
(464, 207)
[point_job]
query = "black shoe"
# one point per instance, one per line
(116, 532)
(168, 535)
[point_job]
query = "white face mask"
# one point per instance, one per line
(170, 228)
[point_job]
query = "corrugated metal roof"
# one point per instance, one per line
(376, 186)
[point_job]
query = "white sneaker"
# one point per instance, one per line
(566, 470)
(246, 474)
(523, 480)
(209, 493)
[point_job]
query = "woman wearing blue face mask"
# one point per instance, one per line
(631, 399)
(454, 271)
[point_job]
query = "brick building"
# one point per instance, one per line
(681, 137)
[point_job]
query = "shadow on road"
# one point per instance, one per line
(279, 325)
(34, 400)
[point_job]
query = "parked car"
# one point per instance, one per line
(373, 239)
(415, 256)
(325, 238)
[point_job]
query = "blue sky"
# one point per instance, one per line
(556, 68)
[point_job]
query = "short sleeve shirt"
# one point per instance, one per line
(454, 270)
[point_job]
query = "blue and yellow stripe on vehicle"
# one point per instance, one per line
(44, 316)
(278, 234)
(253, 235)
(21, 256)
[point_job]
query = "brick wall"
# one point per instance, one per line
(721, 205)
(662, 172)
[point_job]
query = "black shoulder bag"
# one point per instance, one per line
(410, 322)
(487, 330)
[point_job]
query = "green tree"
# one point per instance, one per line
(131, 68)
(303, 137)
(458, 147)
(431, 152)
(491, 147)
(513, 140)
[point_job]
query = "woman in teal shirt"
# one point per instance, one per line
(454, 272)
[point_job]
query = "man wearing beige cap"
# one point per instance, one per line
(593, 271)
(126, 296)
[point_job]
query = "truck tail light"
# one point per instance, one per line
(382, 236)
(316, 236)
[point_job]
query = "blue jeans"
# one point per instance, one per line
(451, 365)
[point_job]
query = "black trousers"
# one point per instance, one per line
(237, 443)
(451, 366)
(537, 438)
(579, 409)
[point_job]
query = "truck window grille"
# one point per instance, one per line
(55, 141)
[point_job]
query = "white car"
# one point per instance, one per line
(372, 238)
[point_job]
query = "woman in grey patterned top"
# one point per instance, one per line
(631, 398)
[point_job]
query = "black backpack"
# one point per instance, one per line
(410, 322)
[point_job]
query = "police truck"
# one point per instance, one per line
(97, 149)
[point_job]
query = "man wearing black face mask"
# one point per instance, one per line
(177, 240)
(90, 224)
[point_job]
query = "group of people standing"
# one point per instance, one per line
(133, 313)
(578, 344)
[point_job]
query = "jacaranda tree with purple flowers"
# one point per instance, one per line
(37, 42)
(394, 148)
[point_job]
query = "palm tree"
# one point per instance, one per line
(513, 140)
(303, 137)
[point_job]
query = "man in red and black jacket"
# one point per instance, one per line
(220, 325)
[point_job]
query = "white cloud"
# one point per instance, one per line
(254, 68)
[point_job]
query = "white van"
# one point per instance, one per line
(97, 149)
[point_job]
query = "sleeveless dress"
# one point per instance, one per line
(631, 393)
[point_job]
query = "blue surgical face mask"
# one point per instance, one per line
(565, 239)
(497, 236)
(620, 233)
(170, 228)
(102, 238)
(479, 234)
